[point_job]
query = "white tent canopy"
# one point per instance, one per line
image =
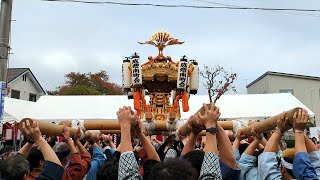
(15, 109)
(59, 108)
(250, 105)
(8, 118)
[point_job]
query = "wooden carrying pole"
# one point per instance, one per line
(270, 123)
(112, 125)
(50, 129)
(261, 127)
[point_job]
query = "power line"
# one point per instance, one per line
(185, 6)
(217, 3)
(285, 12)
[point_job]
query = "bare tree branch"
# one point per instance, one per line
(217, 81)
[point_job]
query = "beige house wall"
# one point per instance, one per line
(25, 88)
(260, 87)
(304, 89)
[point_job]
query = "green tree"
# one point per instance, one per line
(87, 84)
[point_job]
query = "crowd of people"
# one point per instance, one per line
(138, 156)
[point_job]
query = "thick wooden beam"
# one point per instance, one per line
(114, 125)
(270, 123)
(50, 129)
(261, 127)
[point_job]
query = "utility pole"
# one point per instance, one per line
(5, 27)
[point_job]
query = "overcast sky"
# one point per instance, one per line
(55, 38)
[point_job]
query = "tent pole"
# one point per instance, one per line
(14, 137)
(21, 139)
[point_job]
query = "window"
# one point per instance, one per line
(286, 91)
(24, 77)
(15, 94)
(32, 97)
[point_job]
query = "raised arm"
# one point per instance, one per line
(125, 119)
(82, 149)
(225, 148)
(151, 151)
(85, 155)
(302, 167)
(68, 140)
(210, 168)
(52, 168)
(311, 147)
(314, 155)
(111, 144)
(119, 148)
(236, 142)
(108, 139)
(299, 125)
(191, 142)
(254, 145)
(247, 161)
(263, 142)
(24, 151)
(128, 166)
(33, 132)
(79, 162)
(98, 159)
(273, 142)
(267, 161)
(209, 120)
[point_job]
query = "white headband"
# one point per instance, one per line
(286, 164)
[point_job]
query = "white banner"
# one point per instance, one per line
(182, 75)
(136, 72)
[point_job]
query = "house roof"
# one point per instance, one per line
(283, 74)
(15, 73)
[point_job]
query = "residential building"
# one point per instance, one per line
(305, 88)
(22, 84)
